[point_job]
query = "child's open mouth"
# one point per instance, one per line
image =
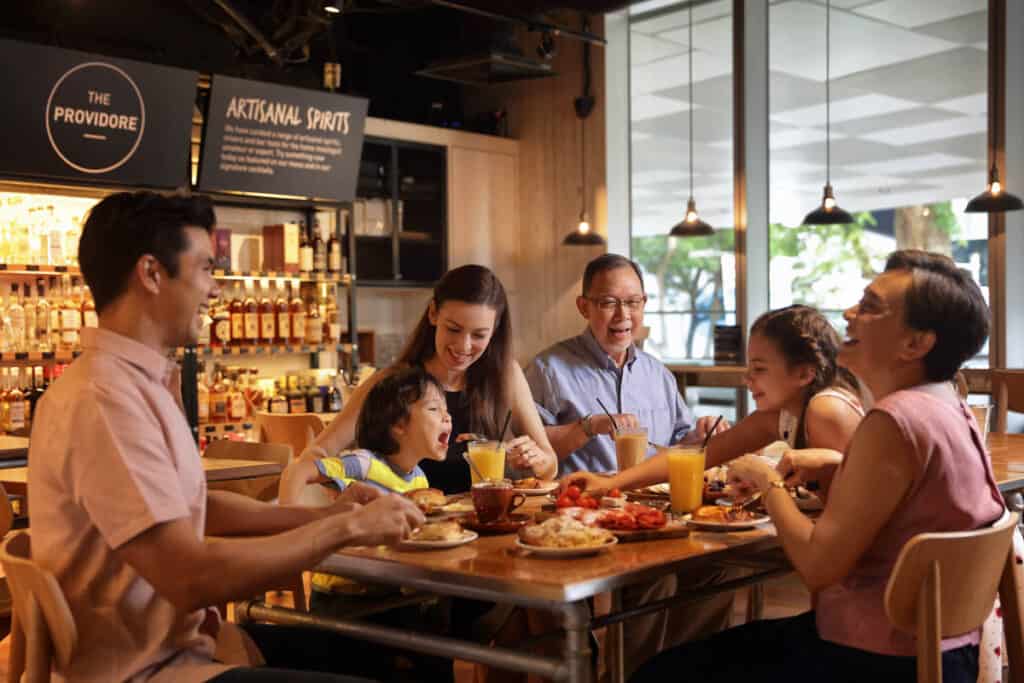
(442, 438)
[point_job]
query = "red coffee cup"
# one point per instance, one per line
(494, 500)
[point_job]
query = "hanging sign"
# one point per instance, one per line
(274, 139)
(82, 116)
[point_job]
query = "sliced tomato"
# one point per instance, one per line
(572, 492)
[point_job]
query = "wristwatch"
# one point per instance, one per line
(777, 484)
(588, 428)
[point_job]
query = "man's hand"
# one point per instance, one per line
(355, 494)
(602, 424)
(385, 520)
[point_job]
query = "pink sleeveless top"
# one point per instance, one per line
(953, 490)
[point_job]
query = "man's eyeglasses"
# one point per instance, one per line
(610, 303)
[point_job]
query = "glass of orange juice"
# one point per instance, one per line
(489, 458)
(685, 477)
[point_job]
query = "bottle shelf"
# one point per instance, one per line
(345, 279)
(37, 357)
(215, 428)
(265, 349)
(33, 269)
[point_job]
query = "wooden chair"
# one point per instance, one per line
(44, 632)
(6, 606)
(1008, 394)
(944, 584)
(297, 430)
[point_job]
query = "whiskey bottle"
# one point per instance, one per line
(284, 315)
(43, 320)
(298, 311)
(268, 326)
(252, 316)
(237, 314)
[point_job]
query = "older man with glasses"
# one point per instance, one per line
(604, 364)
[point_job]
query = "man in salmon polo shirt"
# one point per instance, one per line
(120, 510)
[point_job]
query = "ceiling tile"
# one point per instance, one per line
(973, 147)
(672, 71)
(908, 164)
(902, 119)
(713, 36)
(797, 42)
(658, 22)
(843, 110)
(644, 49)
(968, 29)
(645, 107)
(914, 13)
(927, 132)
(976, 104)
(943, 76)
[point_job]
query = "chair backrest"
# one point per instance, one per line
(1008, 394)
(226, 449)
(40, 609)
(964, 568)
(298, 430)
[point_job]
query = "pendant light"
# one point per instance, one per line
(691, 225)
(829, 212)
(583, 235)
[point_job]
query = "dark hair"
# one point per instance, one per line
(606, 262)
(124, 226)
(486, 389)
(804, 336)
(387, 404)
(943, 299)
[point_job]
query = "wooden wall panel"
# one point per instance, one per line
(543, 119)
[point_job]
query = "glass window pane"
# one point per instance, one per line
(908, 142)
(690, 282)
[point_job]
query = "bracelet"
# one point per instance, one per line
(776, 484)
(588, 428)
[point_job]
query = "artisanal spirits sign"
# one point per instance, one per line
(274, 139)
(83, 116)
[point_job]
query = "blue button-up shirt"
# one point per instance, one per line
(566, 378)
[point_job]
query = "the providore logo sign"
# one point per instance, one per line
(85, 116)
(279, 140)
(95, 117)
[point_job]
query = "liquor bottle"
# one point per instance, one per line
(268, 326)
(314, 324)
(15, 400)
(16, 315)
(70, 317)
(202, 396)
(253, 392)
(236, 400)
(43, 321)
(56, 241)
(332, 316)
(278, 402)
(316, 401)
(222, 324)
(218, 399)
(56, 309)
(284, 315)
(89, 317)
(237, 312)
(252, 316)
(334, 254)
(39, 385)
(296, 399)
(298, 310)
(319, 250)
(25, 384)
(305, 250)
(31, 319)
(333, 399)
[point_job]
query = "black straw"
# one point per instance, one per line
(501, 437)
(615, 426)
(707, 437)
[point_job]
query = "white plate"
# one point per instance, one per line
(542, 551)
(467, 537)
(727, 526)
(660, 489)
(541, 490)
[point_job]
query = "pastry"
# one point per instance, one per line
(428, 500)
(449, 530)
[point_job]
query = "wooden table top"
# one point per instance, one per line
(1007, 452)
(13, 446)
(216, 470)
(494, 566)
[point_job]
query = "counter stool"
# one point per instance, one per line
(944, 584)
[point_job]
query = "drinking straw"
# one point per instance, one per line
(614, 426)
(501, 437)
(707, 437)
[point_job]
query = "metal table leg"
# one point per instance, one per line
(615, 659)
(576, 651)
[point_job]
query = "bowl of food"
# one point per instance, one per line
(564, 537)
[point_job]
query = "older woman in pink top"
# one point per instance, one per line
(917, 463)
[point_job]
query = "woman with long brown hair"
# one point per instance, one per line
(464, 340)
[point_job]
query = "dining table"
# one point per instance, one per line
(496, 569)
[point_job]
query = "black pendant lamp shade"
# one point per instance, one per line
(994, 199)
(583, 235)
(691, 225)
(829, 212)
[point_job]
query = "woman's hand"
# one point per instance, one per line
(524, 453)
(704, 425)
(808, 464)
(586, 481)
(752, 472)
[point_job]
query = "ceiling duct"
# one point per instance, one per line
(488, 68)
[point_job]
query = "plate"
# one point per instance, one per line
(727, 526)
(541, 551)
(544, 488)
(457, 507)
(515, 521)
(661, 489)
(467, 537)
